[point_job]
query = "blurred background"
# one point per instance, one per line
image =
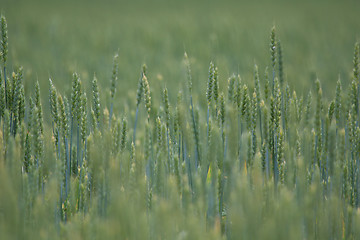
(56, 38)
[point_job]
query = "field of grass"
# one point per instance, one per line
(179, 120)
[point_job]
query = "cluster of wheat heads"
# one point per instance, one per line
(257, 161)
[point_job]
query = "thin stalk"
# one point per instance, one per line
(239, 140)
(67, 171)
(207, 121)
(197, 154)
(188, 164)
(71, 137)
(111, 112)
(136, 119)
(276, 169)
(168, 149)
(267, 162)
(260, 122)
(179, 148)
(78, 147)
(5, 80)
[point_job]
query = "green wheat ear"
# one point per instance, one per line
(37, 134)
(254, 110)
(356, 62)
(123, 134)
(114, 76)
(216, 85)
(331, 110)
(39, 114)
(210, 83)
(308, 109)
(245, 105)
(96, 100)
(231, 87)
(353, 95)
(27, 153)
(257, 84)
(83, 119)
(75, 96)
(273, 56)
(188, 72)
(238, 93)
(147, 96)
(166, 107)
(319, 107)
(140, 89)
(2, 98)
(20, 104)
(4, 40)
(62, 117)
(280, 59)
(273, 47)
(144, 69)
(18, 100)
(53, 103)
(338, 106)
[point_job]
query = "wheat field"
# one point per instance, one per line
(179, 120)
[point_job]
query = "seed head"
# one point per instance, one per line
(166, 107)
(238, 92)
(4, 40)
(231, 84)
(75, 96)
(63, 118)
(356, 62)
(210, 83)
(353, 95)
(123, 134)
(39, 114)
(308, 108)
(331, 110)
(245, 106)
(53, 103)
(27, 153)
(216, 85)
(147, 96)
(139, 92)
(96, 99)
(338, 101)
(37, 134)
(281, 71)
(254, 110)
(114, 76)
(273, 47)
(21, 103)
(188, 72)
(83, 117)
